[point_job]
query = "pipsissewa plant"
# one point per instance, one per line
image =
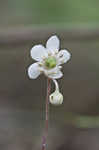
(48, 62)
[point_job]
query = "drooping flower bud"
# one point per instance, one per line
(56, 98)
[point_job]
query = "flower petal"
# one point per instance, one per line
(63, 56)
(53, 44)
(51, 71)
(33, 71)
(38, 51)
(57, 75)
(54, 73)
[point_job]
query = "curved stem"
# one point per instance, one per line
(56, 84)
(44, 142)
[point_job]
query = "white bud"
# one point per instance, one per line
(56, 98)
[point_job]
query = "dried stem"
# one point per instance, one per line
(44, 142)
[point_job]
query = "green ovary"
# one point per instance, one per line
(50, 62)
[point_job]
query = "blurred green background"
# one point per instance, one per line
(49, 12)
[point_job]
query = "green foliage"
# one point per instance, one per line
(52, 11)
(87, 121)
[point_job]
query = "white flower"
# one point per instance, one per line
(56, 98)
(48, 59)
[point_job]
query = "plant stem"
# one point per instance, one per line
(44, 142)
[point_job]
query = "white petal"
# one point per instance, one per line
(51, 71)
(63, 56)
(33, 71)
(54, 73)
(53, 44)
(57, 75)
(37, 52)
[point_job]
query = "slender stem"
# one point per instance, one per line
(44, 142)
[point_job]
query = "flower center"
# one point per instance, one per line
(50, 62)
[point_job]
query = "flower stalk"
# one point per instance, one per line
(48, 62)
(44, 139)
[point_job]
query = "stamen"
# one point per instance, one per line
(40, 64)
(49, 53)
(61, 56)
(43, 57)
(62, 61)
(56, 52)
(60, 67)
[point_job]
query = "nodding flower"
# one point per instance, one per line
(56, 98)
